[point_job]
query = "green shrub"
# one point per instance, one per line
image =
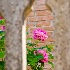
(2, 22)
(1, 43)
(2, 33)
(2, 54)
(2, 65)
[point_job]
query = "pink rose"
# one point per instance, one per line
(40, 34)
(3, 28)
(45, 55)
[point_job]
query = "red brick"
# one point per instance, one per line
(41, 44)
(33, 40)
(43, 18)
(39, 24)
(50, 34)
(32, 29)
(49, 28)
(32, 19)
(50, 39)
(43, 13)
(43, 23)
(30, 25)
(40, 2)
(41, 7)
(50, 17)
(46, 23)
(29, 35)
(31, 14)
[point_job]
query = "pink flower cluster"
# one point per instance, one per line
(3, 28)
(40, 34)
(45, 55)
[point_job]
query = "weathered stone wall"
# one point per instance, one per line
(12, 11)
(61, 33)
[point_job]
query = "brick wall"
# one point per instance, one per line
(41, 17)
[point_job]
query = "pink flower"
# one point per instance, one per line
(3, 28)
(45, 55)
(40, 34)
(1, 17)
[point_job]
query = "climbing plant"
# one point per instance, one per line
(37, 57)
(2, 43)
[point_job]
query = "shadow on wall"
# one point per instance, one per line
(28, 9)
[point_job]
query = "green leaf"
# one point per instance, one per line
(2, 22)
(2, 33)
(42, 64)
(32, 61)
(51, 64)
(39, 68)
(31, 44)
(27, 33)
(2, 54)
(26, 28)
(3, 37)
(29, 38)
(51, 46)
(3, 49)
(1, 43)
(39, 56)
(48, 49)
(36, 41)
(2, 65)
(51, 56)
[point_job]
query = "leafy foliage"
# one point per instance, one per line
(1, 43)
(3, 37)
(2, 54)
(51, 56)
(2, 48)
(2, 65)
(33, 60)
(31, 44)
(2, 33)
(2, 21)
(51, 64)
